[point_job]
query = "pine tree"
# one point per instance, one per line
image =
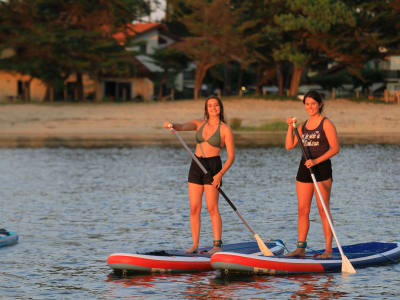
(56, 38)
(213, 37)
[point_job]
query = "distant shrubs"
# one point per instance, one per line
(236, 124)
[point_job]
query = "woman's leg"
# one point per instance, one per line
(325, 188)
(304, 197)
(212, 196)
(195, 197)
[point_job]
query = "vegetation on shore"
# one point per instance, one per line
(236, 124)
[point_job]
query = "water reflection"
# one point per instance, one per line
(216, 285)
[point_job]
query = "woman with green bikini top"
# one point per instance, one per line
(214, 140)
(212, 134)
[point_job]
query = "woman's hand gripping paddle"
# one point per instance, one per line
(264, 249)
(347, 267)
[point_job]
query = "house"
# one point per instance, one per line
(146, 38)
(391, 66)
(149, 37)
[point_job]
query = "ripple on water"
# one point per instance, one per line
(74, 207)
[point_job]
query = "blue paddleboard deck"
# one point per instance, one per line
(360, 255)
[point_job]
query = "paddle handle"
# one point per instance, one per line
(300, 140)
(206, 172)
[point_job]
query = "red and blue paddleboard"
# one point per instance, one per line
(360, 255)
(176, 261)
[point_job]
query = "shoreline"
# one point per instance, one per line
(242, 140)
(139, 124)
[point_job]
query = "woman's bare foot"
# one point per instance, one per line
(299, 252)
(326, 254)
(214, 250)
(192, 250)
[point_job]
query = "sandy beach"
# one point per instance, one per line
(138, 124)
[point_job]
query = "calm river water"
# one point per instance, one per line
(74, 207)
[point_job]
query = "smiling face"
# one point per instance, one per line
(213, 108)
(312, 107)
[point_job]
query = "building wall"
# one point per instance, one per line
(142, 87)
(9, 87)
(394, 77)
(394, 63)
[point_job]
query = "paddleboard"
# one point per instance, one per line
(176, 261)
(7, 238)
(360, 255)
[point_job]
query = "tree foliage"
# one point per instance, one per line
(213, 37)
(53, 39)
(285, 38)
(171, 62)
(278, 40)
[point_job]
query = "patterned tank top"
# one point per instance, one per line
(315, 140)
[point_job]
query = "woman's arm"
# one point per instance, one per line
(189, 126)
(291, 139)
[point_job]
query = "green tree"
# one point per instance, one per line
(304, 23)
(55, 38)
(213, 37)
(374, 35)
(171, 62)
(260, 35)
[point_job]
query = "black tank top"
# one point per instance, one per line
(315, 140)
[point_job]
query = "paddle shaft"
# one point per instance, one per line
(317, 188)
(206, 172)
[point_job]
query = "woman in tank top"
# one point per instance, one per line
(321, 143)
(212, 134)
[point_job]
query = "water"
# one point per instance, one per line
(74, 207)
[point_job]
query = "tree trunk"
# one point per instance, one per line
(201, 71)
(228, 79)
(240, 80)
(161, 88)
(295, 80)
(265, 77)
(26, 90)
(281, 79)
(258, 83)
(79, 87)
(98, 90)
(49, 95)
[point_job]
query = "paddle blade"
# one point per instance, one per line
(347, 267)
(264, 249)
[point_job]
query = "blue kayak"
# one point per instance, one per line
(7, 238)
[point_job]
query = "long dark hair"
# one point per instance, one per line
(317, 97)
(221, 106)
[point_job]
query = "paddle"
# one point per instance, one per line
(264, 249)
(347, 267)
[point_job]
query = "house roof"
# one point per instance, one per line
(137, 29)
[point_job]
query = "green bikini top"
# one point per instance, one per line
(214, 140)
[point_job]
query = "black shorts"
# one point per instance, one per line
(212, 164)
(322, 171)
